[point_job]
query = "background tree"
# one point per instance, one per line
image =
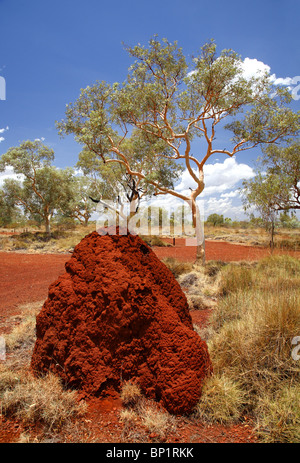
(282, 164)
(44, 187)
(288, 220)
(113, 182)
(76, 202)
(215, 219)
(276, 186)
(9, 213)
(259, 194)
(169, 102)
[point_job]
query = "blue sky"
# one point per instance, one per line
(50, 50)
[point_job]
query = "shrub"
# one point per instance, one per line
(255, 342)
(215, 219)
(252, 327)
(235, 277)
(23, 335)
(213, 267)
(154, 241)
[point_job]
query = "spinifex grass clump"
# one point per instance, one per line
(42, 400)
(251, 333)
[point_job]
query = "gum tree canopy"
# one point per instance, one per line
(167, 101)
(43, 188)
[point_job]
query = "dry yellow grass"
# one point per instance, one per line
(41, 400)
(221, 401)
(251, 332)
(130, 394)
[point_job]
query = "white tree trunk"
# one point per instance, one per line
(47, 224)
(200, 239)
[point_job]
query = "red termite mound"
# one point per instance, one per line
(118, 314)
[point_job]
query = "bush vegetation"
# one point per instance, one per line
(33, 400)
(250, 335)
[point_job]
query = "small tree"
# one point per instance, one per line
(278, 188)
(259, 194)
(215, 219)
(113, 182)
(169, 102)
(77, 203)
(43, 189)
(9, 213)
(282, 164)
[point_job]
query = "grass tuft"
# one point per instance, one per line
(221, 401)
(42, 400)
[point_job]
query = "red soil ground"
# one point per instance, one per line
(218, 250)
(26, 277)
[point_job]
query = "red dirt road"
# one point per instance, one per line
(218, 250)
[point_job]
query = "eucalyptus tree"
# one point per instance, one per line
(281, 164)
(9, 213)
(276, 186)
(119, 188)
(258, 196)
(77, 203)
(169, 101)
(43, 188)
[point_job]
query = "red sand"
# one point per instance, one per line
(118, 314)
(218, 250)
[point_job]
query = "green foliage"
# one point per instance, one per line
(279, 416)
(76, 203)
(27, 157)
(215, 219)
(147, 123)
(44, 188)
(276, 189)
(9, 213)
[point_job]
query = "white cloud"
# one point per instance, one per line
(2, 131)
(78, 172)
(254, 68)
(220, 192)
(222, 206)
(9, 173)
(282, 81)
(218, 177)
(231, 194)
